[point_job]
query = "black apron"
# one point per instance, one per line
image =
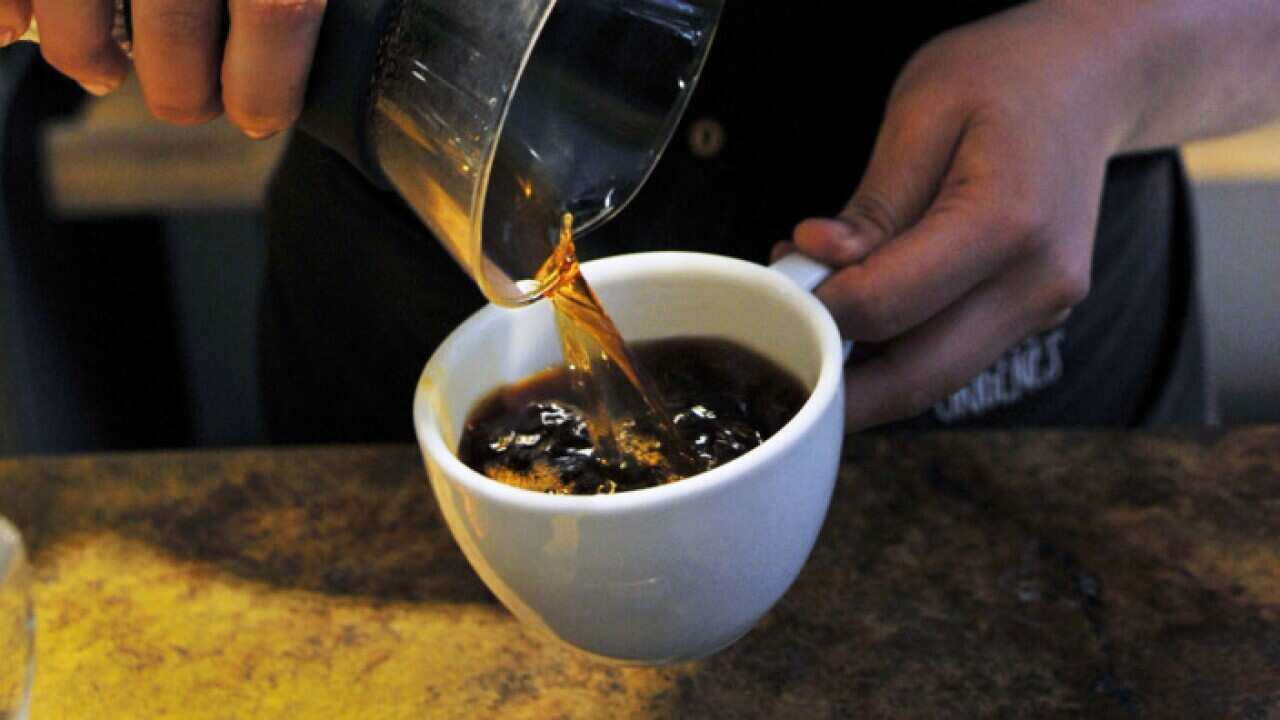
(359, 294)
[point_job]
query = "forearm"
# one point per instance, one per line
(1189, 68)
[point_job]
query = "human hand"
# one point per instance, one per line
(973, 226)
(194, 59)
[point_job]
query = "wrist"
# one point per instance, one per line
(1116, 40)
(1181, 70)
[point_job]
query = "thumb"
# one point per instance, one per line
(910, 158)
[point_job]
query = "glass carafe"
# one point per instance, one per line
(493, 119)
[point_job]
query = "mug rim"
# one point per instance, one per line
(601, 273)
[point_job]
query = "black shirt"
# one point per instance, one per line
(359, 295)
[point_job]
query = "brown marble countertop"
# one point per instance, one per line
(1031, 574)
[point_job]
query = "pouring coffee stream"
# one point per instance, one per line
(624, 408)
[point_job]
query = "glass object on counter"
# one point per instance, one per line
(17, 626)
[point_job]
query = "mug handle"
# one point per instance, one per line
(808, 274)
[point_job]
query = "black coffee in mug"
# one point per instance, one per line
(723, 399)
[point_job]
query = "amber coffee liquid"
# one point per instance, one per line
(625, 415)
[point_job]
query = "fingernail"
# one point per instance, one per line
(97, 89)
(260, 134)
(7, 37)
(846, 236)
(855, 227)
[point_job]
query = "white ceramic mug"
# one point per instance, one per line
(663, 574)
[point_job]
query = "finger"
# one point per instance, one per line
(269, 51)
(15, 17)
(177, 48)
(907, 164)
(834, 241)
(926, 365)
(987, 214)
(75, 38)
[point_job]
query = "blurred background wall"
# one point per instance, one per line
(153, 340)
(1237, 197)
(189, 255)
